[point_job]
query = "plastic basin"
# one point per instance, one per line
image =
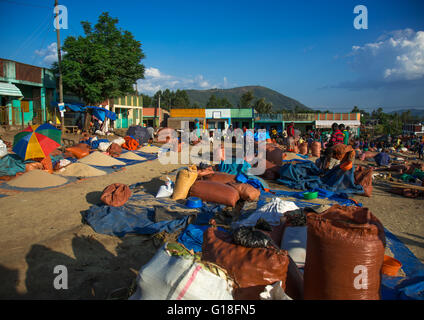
(391, 266)
(194, 202)
(310, 195)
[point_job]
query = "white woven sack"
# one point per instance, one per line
(167, 277)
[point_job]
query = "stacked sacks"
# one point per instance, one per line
(184, 181)
(215, 192)
(246, 191)
(221, 177)
(272, 171)
(251, 268)
(345, 252)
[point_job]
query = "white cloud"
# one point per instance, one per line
(395, 56)
(49, 54)
(156, 80)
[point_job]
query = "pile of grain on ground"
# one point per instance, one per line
(100, 159)
(81, 170)
(37, 179)
(149, 149)
(292, 155)
(131, 156)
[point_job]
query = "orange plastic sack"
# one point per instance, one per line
(221, 177)
(215, 192)
(249, 267)
(47, 164)
(130, 143)
(246, 191)
(116, 194)
(78, 152)
(344, 257)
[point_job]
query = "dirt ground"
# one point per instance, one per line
(40, 230)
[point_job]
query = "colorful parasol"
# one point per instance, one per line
(36, 141)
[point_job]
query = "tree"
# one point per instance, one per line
(181, 99)
(102, 64)
(212, 102)
(246, 99)
(147, 101)
(261, 106)
(225, 103)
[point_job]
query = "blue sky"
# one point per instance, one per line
(307, 50)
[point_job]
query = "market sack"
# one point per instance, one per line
(272, 171)
(114, 150)
(246, 191)
(316, 149)
(184, 181)
(250, 268)
(210, 191)
(344, 256)
(363, 177)
(220, 177)
(340, 151)
(274, 154)
(130, 143)
(79, 150)
(303, 148)
(167, 277)
(116, 194)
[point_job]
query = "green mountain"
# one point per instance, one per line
(278, 100)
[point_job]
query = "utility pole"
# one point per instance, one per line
(59, 59)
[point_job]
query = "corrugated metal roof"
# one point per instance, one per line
(9, 89)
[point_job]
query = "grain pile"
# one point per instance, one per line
(131, 156)
(37, 179)
(81, 170)
(100, 159)
(149, 149)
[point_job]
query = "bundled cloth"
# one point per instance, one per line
(130, 143)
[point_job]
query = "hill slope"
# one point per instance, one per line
(279, 101)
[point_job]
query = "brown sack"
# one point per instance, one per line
(184, 181)
(363, 177)
(316, 149)
(116, 194)
(215, 192)
(47, 164)
(205, 172)
(114, 150)
(246, 191)
(340, 150)
(274, 154)
(220, 177)
(339, 240)
(303, 148)
(272, 171)
(249, 267)
(33, 166)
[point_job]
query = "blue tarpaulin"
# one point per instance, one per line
(306, 176)
(234, 167)
(11, 164)
(382, 159)
(99, 112)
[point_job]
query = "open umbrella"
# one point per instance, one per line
(36, 141)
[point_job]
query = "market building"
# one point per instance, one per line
(129, 111)
(25, 93)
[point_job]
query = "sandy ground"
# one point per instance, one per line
(40, 230)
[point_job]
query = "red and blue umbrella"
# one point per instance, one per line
(37, 141)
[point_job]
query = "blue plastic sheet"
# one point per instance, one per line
(233, 167)
(306, 176)
(11, 164)
(382, 159)
(192, 237)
